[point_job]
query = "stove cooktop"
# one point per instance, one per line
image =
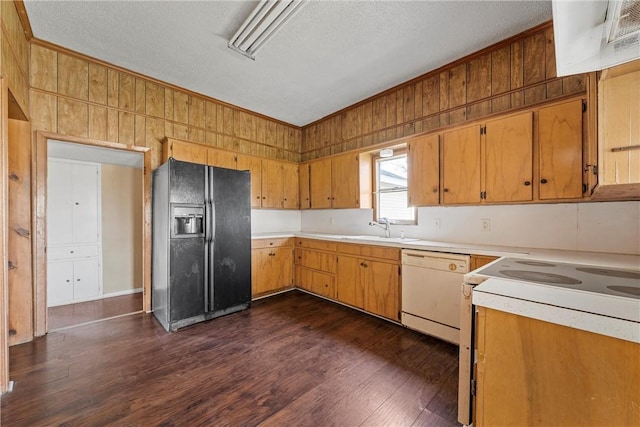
(602, 280)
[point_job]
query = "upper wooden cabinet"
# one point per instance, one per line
(461, 165)
(560, 151)
(304, 194)
(279, 185)
(619, 133)
(184, 151)
(423, 178)
(339, 182)
(254, 166)
(221, 158)
(508, 159)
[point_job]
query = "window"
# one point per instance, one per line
(390, 192)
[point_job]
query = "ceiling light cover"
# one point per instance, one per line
(263, 23)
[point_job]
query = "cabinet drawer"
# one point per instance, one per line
(71, 252)
(316, 282)
(370, 251)
(316, 244)
(271, 243)
(322, 261)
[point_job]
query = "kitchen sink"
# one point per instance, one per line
(381, 239)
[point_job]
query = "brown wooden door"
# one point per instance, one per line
(461, 165)
(254, 166)
(423, 161)
(272, 184)
(381, 289)
(290, 186)
(345, 181)
(221, 158)
(508, 160)
(188, 152)
(320, 184)
(350, 289)
(560, 148)
(305, 199)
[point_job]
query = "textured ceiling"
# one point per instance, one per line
(330, 55)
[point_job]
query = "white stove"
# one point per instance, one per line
(585, 278)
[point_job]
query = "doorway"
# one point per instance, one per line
(86, 275)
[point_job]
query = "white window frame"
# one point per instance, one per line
(376, 159)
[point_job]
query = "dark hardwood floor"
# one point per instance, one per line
(292, 359)
(75, 314)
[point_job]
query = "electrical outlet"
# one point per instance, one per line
(436, 223)
(485, 224)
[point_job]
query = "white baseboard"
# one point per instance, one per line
(120, 293)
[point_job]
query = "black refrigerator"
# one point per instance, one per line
(201, 233)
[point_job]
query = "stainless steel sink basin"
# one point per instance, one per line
(381, 239)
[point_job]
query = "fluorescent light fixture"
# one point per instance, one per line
(263, 23)
(386, 152)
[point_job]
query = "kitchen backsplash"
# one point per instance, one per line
(594, 227)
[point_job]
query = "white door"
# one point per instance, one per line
(59, 283)
(85, 203)
(59, 204)
(86, 283)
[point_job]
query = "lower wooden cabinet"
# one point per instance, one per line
(314, 281)
(271, 266)
(367, 282)
(531, 372)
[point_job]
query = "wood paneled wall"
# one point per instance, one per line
(14, 56)
(74, 95)
(512, 74)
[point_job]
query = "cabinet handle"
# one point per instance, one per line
(435, 189)
(543, 181)
(258, 197)
(70, 252)
(446, 190)
(263, 197)
(527, 183)
(328, 198)
(77, 280)
(77, 203)
(68, 280)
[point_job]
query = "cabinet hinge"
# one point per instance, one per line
(399, 271)
(473, 387)
(483, 195)
(584, 188)
(483, 130)
(584, 106)
(594, 168)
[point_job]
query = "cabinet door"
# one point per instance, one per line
(221, 158)
(316, 282)
(86, 279)
(272, 184)
(59, 203)
(381, 291)
(461, 165)
(85, 203)
(305, 199)
(290, 187)
(271, 269)
(188, 152)
(560, 148)
(350, 289)
(345, 181)
(320, 184)
(59, 283)
(508, 148)
(423, 178)
(254, 166)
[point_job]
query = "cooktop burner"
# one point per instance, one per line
(539, 276)
(609, 281)
(624, 274)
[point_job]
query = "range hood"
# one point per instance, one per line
(594, 35)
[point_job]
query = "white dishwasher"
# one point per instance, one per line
(431, 288)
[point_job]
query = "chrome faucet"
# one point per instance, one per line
(384, 224)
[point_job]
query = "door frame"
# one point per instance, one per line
(39, 218)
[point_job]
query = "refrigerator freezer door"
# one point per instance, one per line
(186, 182)
(186, 272)
(230, 260)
